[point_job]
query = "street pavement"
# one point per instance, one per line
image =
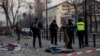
(30, 51)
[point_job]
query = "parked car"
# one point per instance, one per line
(26, 31)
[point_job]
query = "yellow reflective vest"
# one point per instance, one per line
(80, 26)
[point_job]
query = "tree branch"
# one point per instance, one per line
(16, 12)
(7, 16)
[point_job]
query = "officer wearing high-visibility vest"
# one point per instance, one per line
(80, 32)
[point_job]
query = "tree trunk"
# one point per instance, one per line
(96, 27)
(7, 16)
(76, 13)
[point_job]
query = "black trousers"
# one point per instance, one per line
(70, 40)
(81, 38)
(54, 38)
(37, 34)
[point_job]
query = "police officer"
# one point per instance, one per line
(70, 32)
(35, 27)
(80, 32)
(53, 31)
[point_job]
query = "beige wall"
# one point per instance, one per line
(58, 12)
(69, 9)
(51, 15)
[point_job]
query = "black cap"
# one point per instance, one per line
(36, 19)
(54, 20)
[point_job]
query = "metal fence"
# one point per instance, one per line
(60, 35)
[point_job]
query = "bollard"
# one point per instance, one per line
(94, 40)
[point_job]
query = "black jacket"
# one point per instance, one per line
(53, 27)
(70, 29)
(37, 28)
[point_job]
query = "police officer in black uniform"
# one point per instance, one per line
(70, 32)
(35, 27)
(53, 31)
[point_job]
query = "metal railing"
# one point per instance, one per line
(60, 35)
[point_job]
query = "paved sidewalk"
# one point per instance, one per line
(30, 51)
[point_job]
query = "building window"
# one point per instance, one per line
(65, 7)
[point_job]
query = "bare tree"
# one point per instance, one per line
(4, 5)
(95, 3)
(15, 13)
(92, 8)
(8, 7)
(75, 3)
